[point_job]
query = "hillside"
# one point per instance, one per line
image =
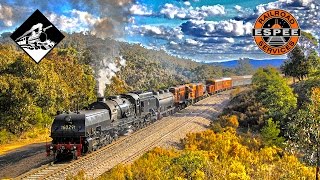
(255, 63)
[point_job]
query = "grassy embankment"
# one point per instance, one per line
(36, 135)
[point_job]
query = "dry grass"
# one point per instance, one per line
(36, 135)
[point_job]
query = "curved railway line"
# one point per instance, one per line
(128, 148)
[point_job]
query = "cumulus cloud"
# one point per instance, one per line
(237, 7)
(187, 3)
(6, 15)
(229, 39)
(75, 21)
(193, 42)
(162, 32)
(216, 28)
(12, 15)
(171, 11)
(138, 9)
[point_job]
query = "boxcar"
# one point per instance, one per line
(210, 89)
(241, 80)
(218, 85)
(226, 83)
(191, 92)
(199, 91)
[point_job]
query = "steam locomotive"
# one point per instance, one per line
(78, 133)
(35, 38)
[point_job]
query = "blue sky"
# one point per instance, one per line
(203, 30)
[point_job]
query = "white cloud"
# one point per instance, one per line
(229, 40)
(76, 22)
(138, 9)
(192, 42)
(237, 7)
(173, 43)
(148, 29)
(214, 28)
(212, 10)
(187, 3)
(11, 15)
(265, 7)
(6, 15)
(171, 11)
(156, 31)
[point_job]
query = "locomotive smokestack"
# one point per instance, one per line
(100, 99)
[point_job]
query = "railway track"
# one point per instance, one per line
(48, 170)
(124, 150)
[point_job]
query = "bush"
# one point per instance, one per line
(229, 121)
(209, 155)
(6, 136)
(270, 134)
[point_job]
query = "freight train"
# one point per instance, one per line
(102, 122)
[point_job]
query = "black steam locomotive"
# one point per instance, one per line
(74, 134)
(105, 120)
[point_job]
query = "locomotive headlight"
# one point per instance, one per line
(74, 147)
(51, 147)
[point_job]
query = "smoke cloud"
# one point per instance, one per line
(106, 74)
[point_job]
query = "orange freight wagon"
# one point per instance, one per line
(191, 92)
(199, 90)
(179, 94)
(218, 85)
(226, 83)
(210, 89)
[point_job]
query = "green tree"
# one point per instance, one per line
(31, 94)
(313, 63)
(296, 65)
(274, 93)
(304, 132)
(270, 134)
(303, 59)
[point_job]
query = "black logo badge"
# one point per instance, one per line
(37, 36)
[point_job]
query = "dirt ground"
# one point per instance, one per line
(21, 160)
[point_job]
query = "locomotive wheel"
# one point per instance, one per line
(115, 137)
(74, 155)
(54, 157)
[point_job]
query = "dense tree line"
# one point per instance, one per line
(31, 94)
(303, 61)
(285, 116)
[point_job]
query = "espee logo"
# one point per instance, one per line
(276, 32)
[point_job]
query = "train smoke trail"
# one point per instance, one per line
(106, 74)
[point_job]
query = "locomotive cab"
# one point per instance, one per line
(79, 133)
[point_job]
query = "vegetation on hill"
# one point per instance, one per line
(303, 61)
(211, 154)
(31, 94)
(250, 140)
(68, 77)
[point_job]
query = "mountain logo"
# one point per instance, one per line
(37, 36)
(276, 32)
